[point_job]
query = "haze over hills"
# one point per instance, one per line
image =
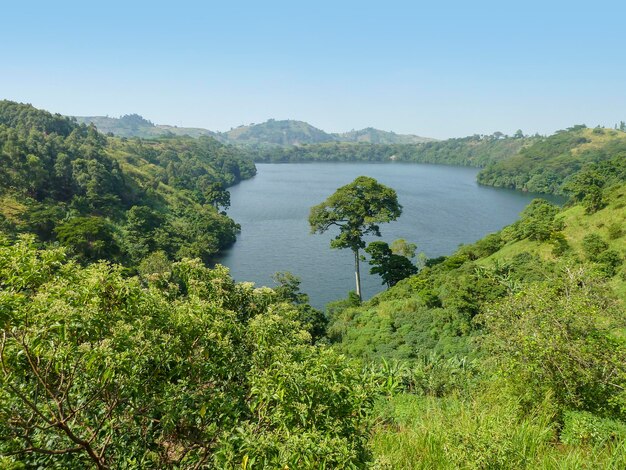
(272, 132)
(134, 125)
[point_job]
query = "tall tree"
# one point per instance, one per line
(357, 209)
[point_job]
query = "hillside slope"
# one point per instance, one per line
(133, 125)
(546, 165)
(113, 198)
(476, 151)
(432, 312)
(375, 136)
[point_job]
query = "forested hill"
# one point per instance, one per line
(375, 136)
(114, 198)
(133, 125)
(547, 166)
(477, 151)
(272, 133)
(290, 133)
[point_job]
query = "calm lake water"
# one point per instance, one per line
(443, 207)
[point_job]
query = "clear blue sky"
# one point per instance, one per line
(438, 69)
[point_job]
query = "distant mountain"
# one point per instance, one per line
(376, 136)
(134, 125)
(290, 132)
(282, 133)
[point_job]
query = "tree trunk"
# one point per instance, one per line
(357, 274)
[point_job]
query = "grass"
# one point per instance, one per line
(483, 432)
(577, 225)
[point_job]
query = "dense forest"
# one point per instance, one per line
(477, 151)
(124, 200)
(121, 348)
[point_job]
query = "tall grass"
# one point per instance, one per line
(416, 432)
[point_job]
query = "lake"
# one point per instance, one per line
(443, 207)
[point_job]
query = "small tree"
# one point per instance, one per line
(391, 267)
(216, 195)
(357, 209)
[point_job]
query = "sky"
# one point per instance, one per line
(436, 69)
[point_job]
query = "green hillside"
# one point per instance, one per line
(432, 312)
(277, 133)
(133, 125)
(376, 136)
(114, 198)
(547, 165)
(477, 151)
(290, 133)
(120, 348)
(508, 353)
(272, 133)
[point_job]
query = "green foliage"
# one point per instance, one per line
(488, 430)
(560, 246)
(557, 338)
(450, 433)
(192, 370)
(356, 209)
(582, 427)
(476, 151)
(537, 221)
(155, 195)
(90, 237)
(548, 165)
(615, 231)
(586, 187)
(217, 196)
(403, 248)
(593, 245)
(391, 267)
(288, 290)
(609, 261)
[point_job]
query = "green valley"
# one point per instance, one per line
(124, 346)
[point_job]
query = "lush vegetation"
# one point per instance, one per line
(475, 151)
(357, 209)
(177, 368)
(115, 199)
(508, 353)
(548, 165)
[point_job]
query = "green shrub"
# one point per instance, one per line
(609, 261)
(99, 370)
(560, 246)
(580, 427)
(615, 231)
(556, 338)
(593, 245)
(538, 221)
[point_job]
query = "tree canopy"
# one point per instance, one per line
(356, 209)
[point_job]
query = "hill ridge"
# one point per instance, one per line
(273, 132)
